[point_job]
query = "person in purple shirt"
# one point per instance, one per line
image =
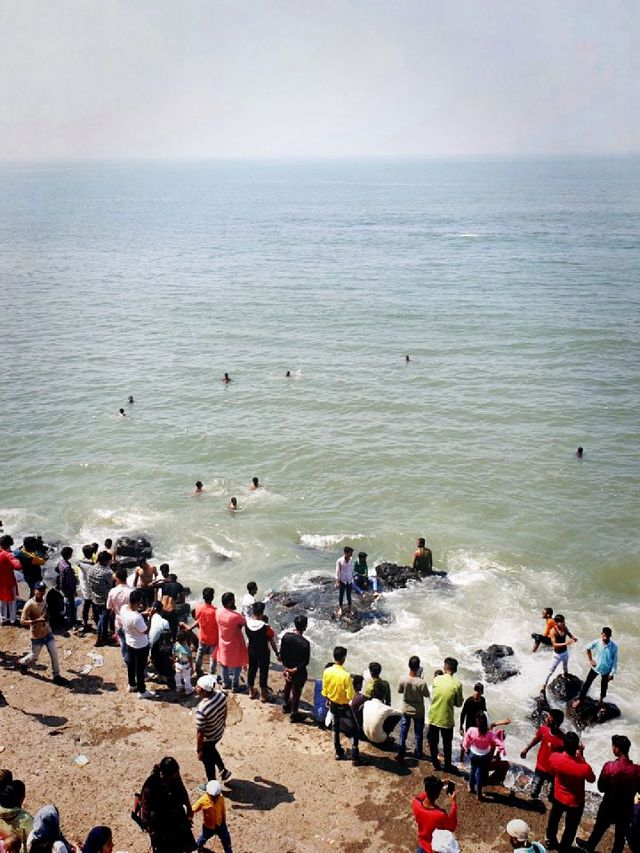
(619, 782)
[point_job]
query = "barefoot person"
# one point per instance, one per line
(544, 639)
(344, 577)
(551, 739)
(145, 576)
(423, 559)
(34, 615)
(603, 659)
(561, 638)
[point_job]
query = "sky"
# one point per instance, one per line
(84, 79)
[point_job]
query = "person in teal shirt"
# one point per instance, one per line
(603, 658)
(447, 695)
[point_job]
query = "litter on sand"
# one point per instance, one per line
(81, 760)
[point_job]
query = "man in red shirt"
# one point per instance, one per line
(205, 616)
(619, 782)
(429, 816)
(551, 739)
(570, 772)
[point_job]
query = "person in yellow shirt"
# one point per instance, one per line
(214, 816)
(337, 687)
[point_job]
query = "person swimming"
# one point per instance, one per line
(131, 400)
(580, 452)
(254, 484)
(407, 359)
(233, 504)
(122, 413)
(226, 379)
(288, 374)
(199, 489)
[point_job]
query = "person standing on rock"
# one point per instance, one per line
(603, 659)
(344, 577)
(619, 781)
(423, 559)
(551, 739)
(34, 615)
(561, 638)
(570, 772)
(232, 649)
(447, 695)
(211, 719)
(295, 653)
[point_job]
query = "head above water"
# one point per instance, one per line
(255, 482)
(579, 452)
(198, 485)
(234, 502)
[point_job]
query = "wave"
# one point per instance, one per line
(220, 550)
(313, 540)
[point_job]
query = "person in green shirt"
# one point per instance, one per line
(447, 695)
(374, 671)
(361, 573)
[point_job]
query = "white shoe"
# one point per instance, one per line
(131, 689)
(148, 694)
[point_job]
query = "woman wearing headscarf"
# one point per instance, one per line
(99, 840)
(46, 836)
(166, 810)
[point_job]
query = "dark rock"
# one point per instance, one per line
(588, 714)
(564, 688)
(394, 576)
(495, 664)
(541, 709)
(134, 546)
(321, 601)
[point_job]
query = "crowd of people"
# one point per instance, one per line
(145, 612)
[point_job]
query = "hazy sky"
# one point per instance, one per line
(294, 78)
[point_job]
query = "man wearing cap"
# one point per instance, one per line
(214, 818)
(361, 573)
(518, 832)
(211, 717)
(34, 615)
(344, 577)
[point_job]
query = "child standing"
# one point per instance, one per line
(213, 817)
(183, 663)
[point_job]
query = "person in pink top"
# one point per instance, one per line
(481, 743)
(8, 584)
(232, 649)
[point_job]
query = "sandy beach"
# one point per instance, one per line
(287, 792)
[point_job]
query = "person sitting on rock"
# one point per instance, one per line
(374, 670)
(361, 573)
(561, 638)
(603, 659)
(423, 559)
(544, 639)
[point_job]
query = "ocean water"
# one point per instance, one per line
(514, 288)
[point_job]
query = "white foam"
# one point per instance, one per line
(328, 541)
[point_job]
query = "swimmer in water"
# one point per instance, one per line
(254, 484)
(233, 504)
(579, 452)
(131, 400)
(122, 413)
(407, 359)
(288, 374)
(226, 379)
(199, 489)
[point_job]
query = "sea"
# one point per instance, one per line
(512, 285)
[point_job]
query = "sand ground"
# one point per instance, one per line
(287, 793)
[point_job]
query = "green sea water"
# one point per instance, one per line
(512, 285)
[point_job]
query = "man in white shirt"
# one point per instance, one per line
(249, 600)
(136, 634)
(378, 719)
(344, 577)
(117, 598)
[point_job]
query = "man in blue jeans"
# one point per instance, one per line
(34, 614)
(99, 583)
(414, 691)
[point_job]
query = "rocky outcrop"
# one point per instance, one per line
(497, 662)
(565, 688)
(394, 576)
(134, 546)
(563, 691)
(320, 600)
